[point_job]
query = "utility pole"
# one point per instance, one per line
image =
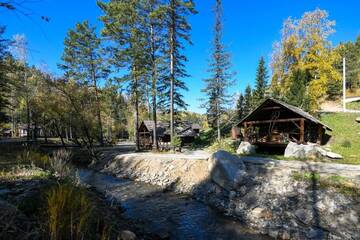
(344, 84)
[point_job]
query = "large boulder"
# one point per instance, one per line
(227, 170)
(301, 151)
(245, 148)
(309, 150)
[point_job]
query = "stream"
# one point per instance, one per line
(166, 213)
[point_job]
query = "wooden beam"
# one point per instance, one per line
(273, 121)
(271, 108)
(295, 124)
(302, 130)
(320, 134)
(246, 139)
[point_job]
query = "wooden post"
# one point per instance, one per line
(320, 134)
(246, 139)
(302, 131)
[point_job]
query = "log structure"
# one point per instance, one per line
(276, 123)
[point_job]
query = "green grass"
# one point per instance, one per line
(353, 106)
(339, 183)
(345, 138)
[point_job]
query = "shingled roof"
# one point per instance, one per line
(292, 108)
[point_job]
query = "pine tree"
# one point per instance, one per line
(248, 100)
(4, 80)
(83, 60)
(156, 16)
(297, 94)
(240, 107)
(221, 76)
(261, 82)
(125, 25)
(178, 33)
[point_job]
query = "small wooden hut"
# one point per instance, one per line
(187, 132)
(275, 123)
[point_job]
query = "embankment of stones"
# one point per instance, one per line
(264, 195)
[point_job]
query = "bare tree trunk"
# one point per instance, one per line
(66, 134)
(153, 86)
(101, 135)
(70, 130)
(13, 125)
(218, 121)
(59, 134)
(172, 73)
(27, 111)
(137, 137)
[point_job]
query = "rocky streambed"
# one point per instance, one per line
(166, 214)
(264, 195)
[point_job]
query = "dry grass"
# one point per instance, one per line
(339, 183)
(68, 210)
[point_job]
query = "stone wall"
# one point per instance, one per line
(265, 196)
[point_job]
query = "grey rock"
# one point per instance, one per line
(357, 119)
(333, 155)
(315, 234)
(304, 215)
(227, 170)
(321, 151)
(246, 148)
(127, 235)
(285, 235)
(301, 151)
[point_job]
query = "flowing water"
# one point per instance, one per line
(168, 214)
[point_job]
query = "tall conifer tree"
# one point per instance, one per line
(156, 11)
(261, 82)
(240, 114)
(248, 100)
(221, 75)
(177, 35)
(125, 25)
(4, 80)
(83, 60)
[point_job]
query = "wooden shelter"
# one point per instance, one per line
(185, 130)
(275, 123)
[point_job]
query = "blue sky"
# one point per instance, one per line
(250, 28)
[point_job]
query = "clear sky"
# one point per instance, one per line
(250, 28)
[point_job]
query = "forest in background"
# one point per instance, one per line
(134, 70)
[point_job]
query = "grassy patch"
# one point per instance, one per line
(353, 106)
(353, 93)
(345, 136)
(23, 173)
(339, 183)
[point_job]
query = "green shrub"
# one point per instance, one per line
(224, 144)
(346, 144)
(176, 142)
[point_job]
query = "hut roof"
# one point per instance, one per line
(182, 129)
(161, 126)
(291, 108)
